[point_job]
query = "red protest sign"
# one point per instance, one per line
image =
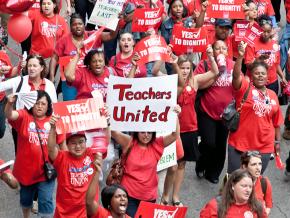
(79, 115)
(230, 9)
(152, 48)
(185, 40)
(253, 34)
(145, 19)
(240, 28)
(149, 210)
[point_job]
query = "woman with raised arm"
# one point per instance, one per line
(260, 110)
(140, 176)
(188, 84)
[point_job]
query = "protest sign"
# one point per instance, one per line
(252, 34)
(186, 40)
(168, 157)
(240, 28)
(106, 12)
(92, 39)
(227, 9)
(79, 115)
(142, 104)
(146, 18)
(151, 210)
(152, 48)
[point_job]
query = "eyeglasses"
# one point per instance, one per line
(252, 153)
(263, 22)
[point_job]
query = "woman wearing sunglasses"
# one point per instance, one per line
(252, 161)
(260, 115)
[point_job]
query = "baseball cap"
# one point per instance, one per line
(223, 22)
(79, 133)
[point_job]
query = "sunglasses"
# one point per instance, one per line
(252, 153)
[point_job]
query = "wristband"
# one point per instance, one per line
(277, 142)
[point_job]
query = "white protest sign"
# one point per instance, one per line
(168, 158)
(106, 12)
(142, 104)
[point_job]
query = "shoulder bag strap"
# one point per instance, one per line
(244, 98)
(40, 141)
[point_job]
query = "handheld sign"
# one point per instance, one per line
(253, 34)
(106, 13)
(185, 40)
(168, 158)
(79, 115)
(240, 28)
(142, 104)
(146, 18)
(152, 48)
(227, 9)
(149, 210)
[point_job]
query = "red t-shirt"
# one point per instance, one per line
(264, 7)
(264, 48)
(86, 81)
(4, 61)
(260, 113)
(45, 33)
(235, 211)
(267, 198)
(140, 177)
(123, 66)
(217, 97)
(28, 167)
(104, 213)
(145, 4)
(187, 116)
(66, 47)
(74, 177)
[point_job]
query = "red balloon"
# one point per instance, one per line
(19, 27)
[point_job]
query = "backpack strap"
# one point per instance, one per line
(263, 185)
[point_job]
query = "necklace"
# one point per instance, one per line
(264, 96)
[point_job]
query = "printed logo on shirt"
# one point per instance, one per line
(48, 30)
(80, 175)
(262, 105)
(261, 8)
(101, 87)
(272, 56)
(33, 135)
(126, 69)
(248, 214)
(225, 79)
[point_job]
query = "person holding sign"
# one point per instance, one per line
(237, 200)
(94, 76)
(188, 84)
(114, 198)
(178, 14)
(140, 176)
(33, 128)
(209, 109)
(75, 170)
(267, 50)
(261, 111)
(122, 62)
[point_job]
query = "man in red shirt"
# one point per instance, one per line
(75, 170)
